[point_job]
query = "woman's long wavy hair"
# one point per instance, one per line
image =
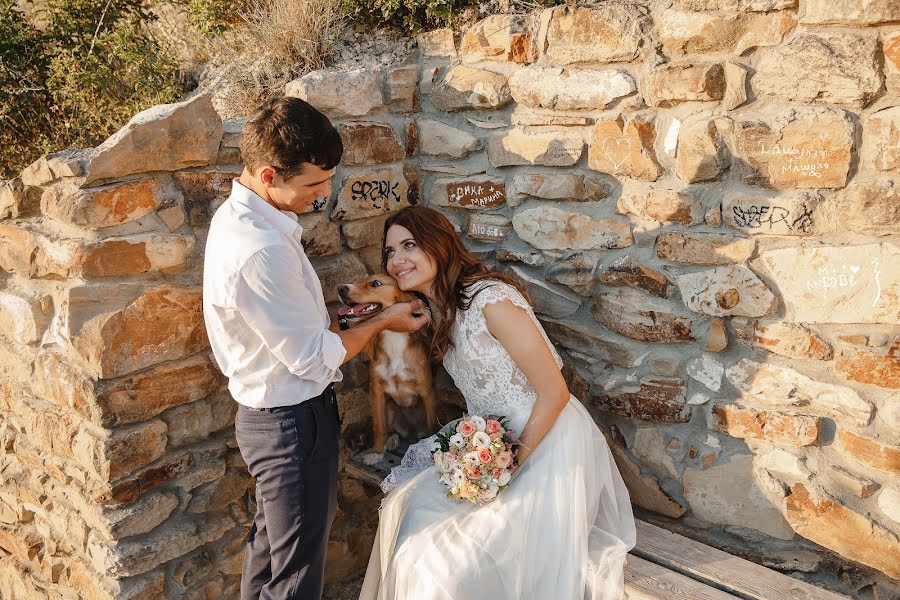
(457, 269)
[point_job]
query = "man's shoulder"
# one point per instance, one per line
(237, 231)
(235, 236)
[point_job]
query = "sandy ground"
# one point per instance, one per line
(344, 590)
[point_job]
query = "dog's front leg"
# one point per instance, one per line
(429, 402)
(377, 403)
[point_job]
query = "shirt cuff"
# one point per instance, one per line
(333, 351)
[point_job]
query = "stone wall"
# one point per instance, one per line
(700, 197)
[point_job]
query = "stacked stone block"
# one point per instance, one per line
(120, 473)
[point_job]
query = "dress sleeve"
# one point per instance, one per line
(496, 291)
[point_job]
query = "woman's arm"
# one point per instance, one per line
(513, 328)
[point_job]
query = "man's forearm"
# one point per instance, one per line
(332, 317)
(357, 338)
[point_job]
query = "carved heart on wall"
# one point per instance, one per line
(617, 150)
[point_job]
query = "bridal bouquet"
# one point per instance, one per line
(474, 455)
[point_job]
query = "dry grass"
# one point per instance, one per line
(288, 31)
(278, 41)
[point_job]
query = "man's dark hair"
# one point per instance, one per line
(284, 133)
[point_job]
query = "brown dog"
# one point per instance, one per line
(399, 369)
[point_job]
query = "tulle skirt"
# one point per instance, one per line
(560, 531)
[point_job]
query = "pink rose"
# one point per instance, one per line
(504, 459)
(496, 473)
(467, 491)
(485, 456)
(465, 428)
(476, 473)
(493, 426)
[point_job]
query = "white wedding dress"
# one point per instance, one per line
(560, 531)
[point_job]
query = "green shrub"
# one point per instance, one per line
(92, 64)
(90, 67)
(213, 17)
(417, 15)
(25, 121)
(411, 15)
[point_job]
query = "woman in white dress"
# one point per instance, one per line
(562, 528)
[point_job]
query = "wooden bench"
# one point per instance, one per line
(678, 562)
(668, 566)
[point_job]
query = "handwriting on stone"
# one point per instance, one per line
(804, 162)
(832, 278)
(380, 192)
(769, 217)
(319, 203)
(476, 194)
(486, 231)
(563, 152)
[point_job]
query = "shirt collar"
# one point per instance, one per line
(283, 220)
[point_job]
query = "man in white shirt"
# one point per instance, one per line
(272, 337)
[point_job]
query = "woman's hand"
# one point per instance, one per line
(521, 454)
(406, 317)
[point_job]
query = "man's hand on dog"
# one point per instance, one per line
(406, 317)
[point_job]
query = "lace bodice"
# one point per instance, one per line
(483, 370)
(480, 366)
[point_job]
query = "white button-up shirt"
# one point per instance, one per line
(263, 305)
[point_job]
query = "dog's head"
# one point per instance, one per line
(370, 296)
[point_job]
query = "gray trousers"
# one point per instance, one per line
(292, 452)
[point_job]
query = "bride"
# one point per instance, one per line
(561, 530)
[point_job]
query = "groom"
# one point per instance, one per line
(273, 338)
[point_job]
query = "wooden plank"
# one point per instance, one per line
(373, 474)
(363, 473)
(716, 568)
(647, 581)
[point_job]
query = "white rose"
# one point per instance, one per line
(457, 441)
(456, 477)
(504, 477)
(478, 422)
(491, 492)
(481, 440)
(471, 458)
